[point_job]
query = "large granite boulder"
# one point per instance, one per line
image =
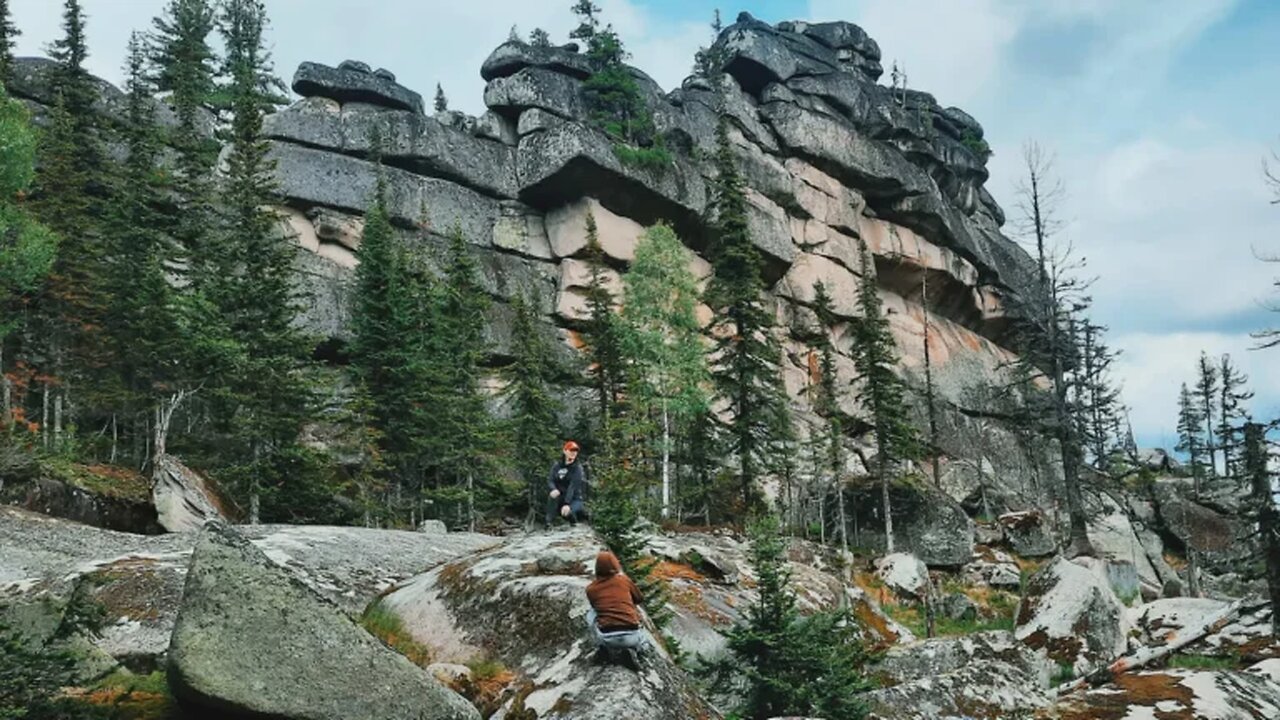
(904, 574)
(250, 639)
(1251, 694)
(1029, 533)
(987, 674)
(926, 523)
(353, 83)
(1245, 636)
(524, 605)
(183, 498)
(1070, 612)
(408, 140)
(513, 56)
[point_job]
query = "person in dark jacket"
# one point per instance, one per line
(614, 618)
(566, 487)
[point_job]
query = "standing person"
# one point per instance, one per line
(567, 487)
(614, 618)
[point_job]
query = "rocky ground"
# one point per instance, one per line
(277, 621)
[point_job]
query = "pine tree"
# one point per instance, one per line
(792, 666)
(1206, 395)
(746, 366)
(441, 103)
(71, 192)
(1231, 398)
(467, 431)
(8, 39)
(829, 439)
(880, 388)
(602, 334)
(539, 38)
(1257, 461)
(139, 298)
(185, 67)
(252, 286)
(534, 426)
(1048, 352)
(708, 61)
(514, 35)
(662, 342)
(1097, 399)
(1191, 442)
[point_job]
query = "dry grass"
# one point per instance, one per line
(387, 627)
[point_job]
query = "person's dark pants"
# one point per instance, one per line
(576, 511)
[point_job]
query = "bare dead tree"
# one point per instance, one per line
(1042, 309)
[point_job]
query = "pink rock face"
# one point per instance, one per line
(567, 230)
(575, 277)
(808, 270)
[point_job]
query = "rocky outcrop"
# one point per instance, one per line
(1070, 612)
(250, 639)
(982, 675)
(463, 610)
(183, 497)
(1252, 694)
(354, 82)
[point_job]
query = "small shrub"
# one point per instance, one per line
(976, 145)
(644, 158)
(1203, 662)
(1066, 672)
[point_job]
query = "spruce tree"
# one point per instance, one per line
(70, 196)
(1098, 400)
(602, 334)
(880, 389)
(747, 356)
(533, 428)
(792, 666)
(1231, 398)
(1206, 395)
(663, 343)
(539, 38)
(252, 287)
(140, 305)
(467, 432)
(829, 438)
(1257, 461)
(185, 68)
(8, 39)
(441, 103)
(1191, 442)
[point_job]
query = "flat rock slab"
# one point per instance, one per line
(251, 639)
(352, 85)
(1252, 694)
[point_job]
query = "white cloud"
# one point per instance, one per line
(1153, 367)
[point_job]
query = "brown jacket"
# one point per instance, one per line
(613, 595)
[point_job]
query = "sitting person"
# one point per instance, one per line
(614, 619)
(567, 487)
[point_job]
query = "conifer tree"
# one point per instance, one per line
(1097, 400)
(1231, 398)
(1048, 352)
(139, 299)
(8, 39)
(829, 440)
(70, 195)
(185, 67)
(1257, 461)
(252, 286)
(441, 103)
(792, 666)
(662, 341)
(539, 38)
(534, 425)
(602, 333)
(467, 432)
(1206, 395)
(880, 388)
(746, 367)
(1191, 442)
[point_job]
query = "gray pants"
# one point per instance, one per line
(617, 640)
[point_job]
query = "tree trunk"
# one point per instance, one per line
(666, 460)
(844, 526)
(57, 421)
(44, 415)
(6, 393)
(884, 495)
(928, 384)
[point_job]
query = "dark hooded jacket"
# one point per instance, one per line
(613, 595)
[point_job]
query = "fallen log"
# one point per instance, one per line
(1175, 640)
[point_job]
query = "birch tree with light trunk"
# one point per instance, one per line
(662, 340)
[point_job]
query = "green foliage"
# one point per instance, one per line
(976, 145)
(8, 38)
(617, 520)
(602, 334)
(792, 665)
(747, 356)
(539, 38)
(617, 105)
(534, 426)
(33, 671)
(1065, 672)
(1204, 662)
(441, 103)
(27, 249)
(662, 340)
(385, 625)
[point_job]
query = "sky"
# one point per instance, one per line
(1159, 114)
